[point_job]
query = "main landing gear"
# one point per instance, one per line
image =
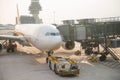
(9, 45)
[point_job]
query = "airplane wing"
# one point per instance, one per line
(20, 39)
(11, 37)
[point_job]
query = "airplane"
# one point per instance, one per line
(45, 37)
(42, 36)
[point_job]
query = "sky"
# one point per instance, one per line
(54, 11)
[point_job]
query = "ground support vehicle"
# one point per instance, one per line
(63, 66)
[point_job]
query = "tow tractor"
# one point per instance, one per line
(63, 66)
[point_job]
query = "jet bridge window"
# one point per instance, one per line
(52, 34)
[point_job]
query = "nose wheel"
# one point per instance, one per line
(49, 53)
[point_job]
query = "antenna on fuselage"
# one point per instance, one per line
(18, 16)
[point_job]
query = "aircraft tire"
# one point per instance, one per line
(102, 58)
(8, 50)
(12, 50)
(47, 60)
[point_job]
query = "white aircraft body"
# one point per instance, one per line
(42, 36)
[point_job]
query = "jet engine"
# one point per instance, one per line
(0, 46)
(69, 45)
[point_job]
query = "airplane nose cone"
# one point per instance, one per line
(50, 43)
(57, 42)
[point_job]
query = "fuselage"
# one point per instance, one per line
(42, 36)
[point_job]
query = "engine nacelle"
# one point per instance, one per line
(1, 46)
(69, 45)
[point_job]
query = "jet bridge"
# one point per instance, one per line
(93, 31)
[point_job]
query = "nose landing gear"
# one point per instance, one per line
(49, 53)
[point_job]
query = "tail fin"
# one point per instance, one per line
(18, 16)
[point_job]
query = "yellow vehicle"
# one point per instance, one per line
(63, 66)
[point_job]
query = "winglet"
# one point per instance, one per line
(18, 16)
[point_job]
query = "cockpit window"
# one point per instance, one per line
(52, 34)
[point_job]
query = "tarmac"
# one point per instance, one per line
(32, 66)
